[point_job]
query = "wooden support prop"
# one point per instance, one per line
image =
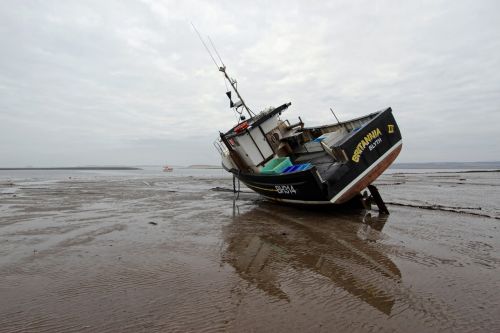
(382, 208)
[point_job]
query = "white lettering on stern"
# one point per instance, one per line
(374, 144)
(285, 189)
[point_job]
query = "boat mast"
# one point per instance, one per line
(222, 68)
(233, 85)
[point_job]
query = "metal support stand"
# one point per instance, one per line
(236, 191)
(382, 208)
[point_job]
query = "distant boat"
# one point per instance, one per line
(167, 168)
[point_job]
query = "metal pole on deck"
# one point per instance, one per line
(231, 82)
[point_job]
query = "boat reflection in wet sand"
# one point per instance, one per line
(270, 247)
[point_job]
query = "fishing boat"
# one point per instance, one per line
(167, 168)
(294, 163)
(290, 162)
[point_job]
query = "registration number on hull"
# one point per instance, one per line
(285, 189)
(374, 144)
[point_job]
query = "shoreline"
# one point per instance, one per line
(71, 168)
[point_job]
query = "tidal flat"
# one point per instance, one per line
(165, 252)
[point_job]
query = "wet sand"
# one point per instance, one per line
(160, 253)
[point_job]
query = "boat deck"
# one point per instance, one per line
(323, 162)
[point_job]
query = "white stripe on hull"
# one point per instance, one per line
(310, 202)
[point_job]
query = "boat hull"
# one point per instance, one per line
(370, 151)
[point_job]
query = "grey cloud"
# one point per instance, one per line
(85, 82)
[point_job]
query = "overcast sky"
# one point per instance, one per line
(128, 82)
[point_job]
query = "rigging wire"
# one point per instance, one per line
(213, 46)
(205, 45)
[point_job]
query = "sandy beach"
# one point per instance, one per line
(147, 252)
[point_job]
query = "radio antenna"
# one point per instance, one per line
(213, 46)
(206, 47)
